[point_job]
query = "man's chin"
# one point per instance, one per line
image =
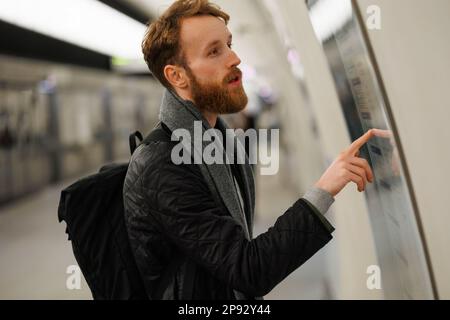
(224, 100)
(238, 94)
(237, 104)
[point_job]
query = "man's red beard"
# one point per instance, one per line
(221, 98)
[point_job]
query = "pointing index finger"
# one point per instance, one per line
(358, 143)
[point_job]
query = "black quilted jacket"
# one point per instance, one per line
(182, 238)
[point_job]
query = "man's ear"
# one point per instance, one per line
(176, 76)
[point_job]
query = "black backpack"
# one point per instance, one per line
(93, 210)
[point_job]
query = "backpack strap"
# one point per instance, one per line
(159, 133)
(132, 140)
(178, 261)
(162, 133)
(188, 289)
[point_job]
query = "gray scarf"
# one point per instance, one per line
(177, 113)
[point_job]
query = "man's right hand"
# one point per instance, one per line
(348, 167)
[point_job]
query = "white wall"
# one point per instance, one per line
(352, 249)
(413, 52)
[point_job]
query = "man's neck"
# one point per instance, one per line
(211, 117)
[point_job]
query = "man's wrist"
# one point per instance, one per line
(319, 198)
(320, 185)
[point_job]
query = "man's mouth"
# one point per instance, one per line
(235, 80)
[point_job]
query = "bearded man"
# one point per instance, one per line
(190, 225)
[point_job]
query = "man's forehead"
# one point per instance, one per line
(200, 30)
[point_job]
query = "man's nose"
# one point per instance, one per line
(234, 60)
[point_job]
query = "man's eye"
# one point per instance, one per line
(213, 52)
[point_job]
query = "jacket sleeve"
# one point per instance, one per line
(179, 202)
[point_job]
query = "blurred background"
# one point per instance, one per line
(74, 85)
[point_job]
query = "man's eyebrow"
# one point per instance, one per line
(213, 43)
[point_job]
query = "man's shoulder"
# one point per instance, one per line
(155, 149)
(152, 162)
(152, 154)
